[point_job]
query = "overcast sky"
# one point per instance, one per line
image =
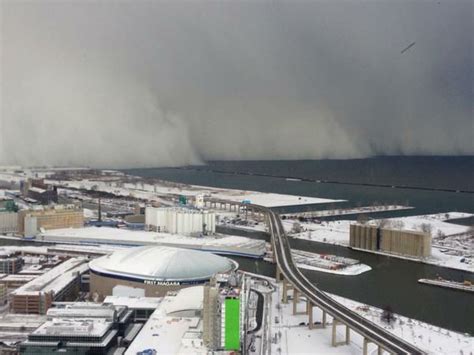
(152, 83)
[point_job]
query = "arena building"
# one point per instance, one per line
(154, 269)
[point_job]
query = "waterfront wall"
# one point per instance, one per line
(403, 242)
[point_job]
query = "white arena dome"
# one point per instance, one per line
(161, 264)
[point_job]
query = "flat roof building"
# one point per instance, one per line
(175, 327)
(142, 307)
(61, 283)
(82, 328)
(31, 222)
(10, 262)
(8, 222)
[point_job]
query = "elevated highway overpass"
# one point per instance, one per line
(371, 332)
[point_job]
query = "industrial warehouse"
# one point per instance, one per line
(403, 242)
(153, 271)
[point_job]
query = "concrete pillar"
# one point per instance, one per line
(379, 350)
(346, 341)
(309, 309)
(333, 338)
(295, 301)
(286, 286)
(323, 323)
(365, 346)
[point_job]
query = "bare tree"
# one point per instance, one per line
(470, 231)
(387, 314)
(383, 223)
(426, 228)
(398, 224)
(362, 218)
(296, 227)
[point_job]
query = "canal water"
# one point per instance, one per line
(391, 281)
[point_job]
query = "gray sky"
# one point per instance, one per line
(151, 83)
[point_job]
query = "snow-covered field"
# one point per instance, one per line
(293, 338)
(155, 191)
(449, 234)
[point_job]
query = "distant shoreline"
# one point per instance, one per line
(324, 181)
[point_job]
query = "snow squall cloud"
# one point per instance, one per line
(127, 84)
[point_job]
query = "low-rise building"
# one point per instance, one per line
(15, 281)
(37, 190)
(175, 327)
(83, 328)
(8, 222)
(31, 222)
(3, 295)
(10, 262)
(142, 307)
(61, 283)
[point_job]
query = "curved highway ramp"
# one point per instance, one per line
(370, 331)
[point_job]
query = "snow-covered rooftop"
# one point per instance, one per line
(116, 236)
(55, 279)
(152, 192)
(74, 327)
(162, 264)
(187, 299)
(134, 302)
(168, 334)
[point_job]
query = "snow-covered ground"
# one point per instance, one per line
(451, 242)
(155, 191)
(289, 337)
(436, 223)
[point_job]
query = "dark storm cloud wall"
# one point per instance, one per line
(153, 83)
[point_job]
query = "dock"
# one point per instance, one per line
(347, 211)
(466, 286)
